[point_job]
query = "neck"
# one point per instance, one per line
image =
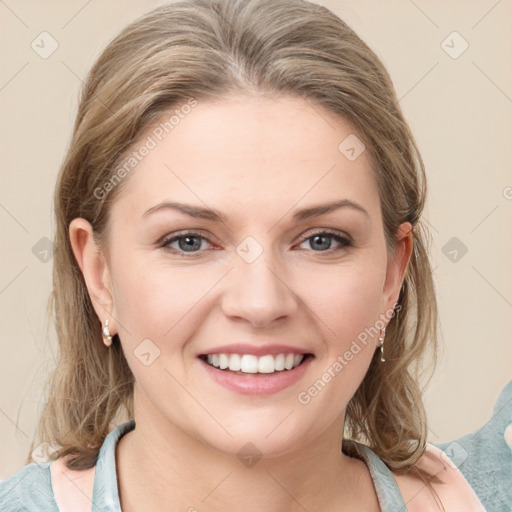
(160, 467)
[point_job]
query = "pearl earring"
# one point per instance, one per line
(106, 334)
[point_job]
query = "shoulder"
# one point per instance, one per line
(468, 473)
(28, 490)
(435, 483)
(42, 485)
(484, 456)
(72, 489)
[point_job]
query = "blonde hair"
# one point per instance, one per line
(206, 50)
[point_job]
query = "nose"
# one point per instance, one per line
(258, 292)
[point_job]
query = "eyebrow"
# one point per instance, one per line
(216, 216)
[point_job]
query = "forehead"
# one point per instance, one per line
(246, 152)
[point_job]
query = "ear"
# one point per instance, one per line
(397, 266)
(95, 270)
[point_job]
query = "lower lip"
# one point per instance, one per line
(259, 384)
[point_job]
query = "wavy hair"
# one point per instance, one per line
(207, 50)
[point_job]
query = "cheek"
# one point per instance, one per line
(347, 301)
(155, 310)
(137, 297)
(159, 302)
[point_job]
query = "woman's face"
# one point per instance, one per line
(257, 283)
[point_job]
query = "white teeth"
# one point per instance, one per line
(266, 364)
(234, 362)
(249, 363)
(279, 362)
(223, 361)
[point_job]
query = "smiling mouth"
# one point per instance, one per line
(248, 364)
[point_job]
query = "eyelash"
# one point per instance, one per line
(343, 240)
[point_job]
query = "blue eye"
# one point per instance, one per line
(321, 240)
(187, 242)
(190, 243)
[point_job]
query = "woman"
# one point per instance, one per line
(242, 284)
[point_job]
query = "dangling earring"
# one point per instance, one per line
(381, 344)
(106, 334)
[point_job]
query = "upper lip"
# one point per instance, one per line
(256, 350)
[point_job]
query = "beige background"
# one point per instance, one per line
(460, 110)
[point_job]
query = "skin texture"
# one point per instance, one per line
(257, 160)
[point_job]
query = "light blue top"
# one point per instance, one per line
(483, 457)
